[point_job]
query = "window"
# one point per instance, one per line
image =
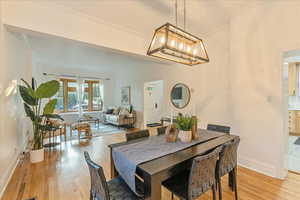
(97, 97)
(60, 97)
(69, 100)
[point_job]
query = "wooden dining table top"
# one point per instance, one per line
(159, 169)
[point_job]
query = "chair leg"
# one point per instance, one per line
(230, 180)
(60, 135)
(235, 183)
(220, 188)
(172, 196)
(214, 192)
(91, 196)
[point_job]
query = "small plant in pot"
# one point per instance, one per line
(185, 124)
(39, 115)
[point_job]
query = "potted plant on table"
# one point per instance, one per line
(185, 124)
(39, 115)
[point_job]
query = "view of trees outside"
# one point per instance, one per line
(72, 96)
(60, 97)
(97, 99)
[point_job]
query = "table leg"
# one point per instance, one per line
(65, 132)
(152, 188)
(113, 171)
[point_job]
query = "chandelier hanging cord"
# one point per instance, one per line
(184, 14)
(176, 8)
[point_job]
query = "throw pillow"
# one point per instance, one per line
(116, 111)
(124, 111)
(109, 111)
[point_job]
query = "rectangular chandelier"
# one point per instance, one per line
(174, 44)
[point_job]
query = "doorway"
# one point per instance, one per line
(153, 101)
(292, 75)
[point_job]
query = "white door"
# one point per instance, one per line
(153, 99)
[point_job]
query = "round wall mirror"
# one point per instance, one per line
(180, 95)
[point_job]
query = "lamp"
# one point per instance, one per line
(175, 44)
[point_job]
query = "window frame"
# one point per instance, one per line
(90, 92)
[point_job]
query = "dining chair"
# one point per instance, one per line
(115, 189)
(227, 164)
(137, 135)
(161, 130)
(218, 128)
(191, 184)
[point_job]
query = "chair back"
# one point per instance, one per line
(228, 157)
(161, 130)
(137, 135)
(218, 128)
(202, 175)
(99, 188)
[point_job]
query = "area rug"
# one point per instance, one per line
(297, 142)
(102, 130)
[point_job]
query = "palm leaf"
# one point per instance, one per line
(48, 89)
(26, 95)
(50, 106)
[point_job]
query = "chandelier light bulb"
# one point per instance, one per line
(188, 48)
(162, 39)
(195, 51)
(181, 46)
(173, 43)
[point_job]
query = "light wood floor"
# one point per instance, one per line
(64, 176)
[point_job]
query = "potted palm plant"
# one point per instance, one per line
(34, 99)
(185, 124)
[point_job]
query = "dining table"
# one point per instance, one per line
(155, 166)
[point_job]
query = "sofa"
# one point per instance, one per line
(120, 116)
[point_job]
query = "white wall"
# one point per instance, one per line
(15, 63)
(258, 101)
(209, 81)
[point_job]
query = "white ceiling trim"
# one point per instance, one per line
(72, 11)
(47, 18)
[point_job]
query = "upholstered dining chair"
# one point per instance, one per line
(218, 128)
(115, 189)
(191, 184)
(137, 135)
(161, 130)
(227, 164)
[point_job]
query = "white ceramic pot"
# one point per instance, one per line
(36, 155)
(185, 136)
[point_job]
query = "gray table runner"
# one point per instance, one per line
(127, 157)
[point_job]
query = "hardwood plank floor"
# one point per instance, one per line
(64, 176)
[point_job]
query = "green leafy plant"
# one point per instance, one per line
(184, 123)
(33, 103)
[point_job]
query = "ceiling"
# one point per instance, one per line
(59, 51)
(143, 16)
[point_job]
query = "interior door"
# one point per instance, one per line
(153, 98)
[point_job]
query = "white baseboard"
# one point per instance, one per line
(260, 167)
(7, 176)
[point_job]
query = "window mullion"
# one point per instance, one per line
(90, 93)
(65, 85)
